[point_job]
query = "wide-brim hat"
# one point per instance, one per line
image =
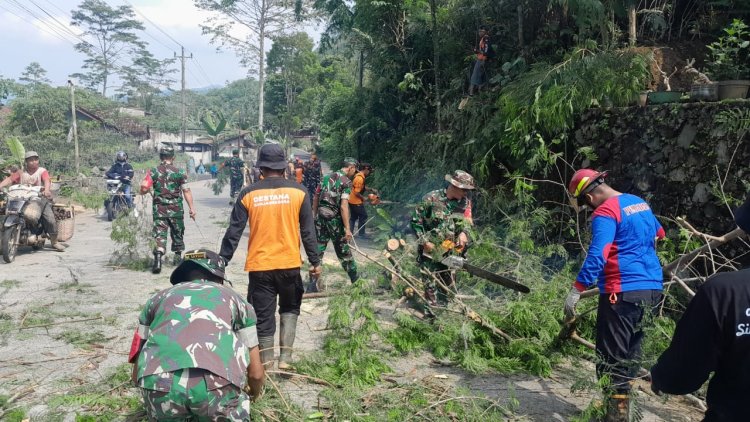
(271, 156)
(202, 259)
(461, 180)
(30, 154)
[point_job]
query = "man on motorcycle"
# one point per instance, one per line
(122, 170)
(35, 175)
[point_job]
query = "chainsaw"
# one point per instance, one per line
(458, 262)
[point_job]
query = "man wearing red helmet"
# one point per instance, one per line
(622, 262)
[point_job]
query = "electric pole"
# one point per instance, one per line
(182, 96)
(74, 127)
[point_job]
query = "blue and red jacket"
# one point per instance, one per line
(622, 256)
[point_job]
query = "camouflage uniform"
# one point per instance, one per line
(236, 175)
(312, 174)
(329, 225)
(195, 339)
(169, 182)
(438, 219)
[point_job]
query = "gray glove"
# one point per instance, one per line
(571, 301)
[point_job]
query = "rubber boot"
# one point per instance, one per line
(286, 339)
(353, 276)
(156, 269)
(265, 344)
(618, 408)
(55, 244)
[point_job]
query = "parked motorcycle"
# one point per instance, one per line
(116, 203)
(21, 227)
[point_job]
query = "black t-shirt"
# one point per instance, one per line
(712, 336)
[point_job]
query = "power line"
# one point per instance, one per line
(200, 69)
(153, 23)
(45, 26)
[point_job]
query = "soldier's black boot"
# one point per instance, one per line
(177, 259)
(156, 269)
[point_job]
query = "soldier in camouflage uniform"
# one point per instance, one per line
(236, 172)
(312, 173)
(169, 187)
(195, 352)
(331, 208)
(442, 223)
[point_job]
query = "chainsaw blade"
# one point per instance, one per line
(495, 278)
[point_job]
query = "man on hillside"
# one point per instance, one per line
(35, 175)
(357, 200)
(713, 335)
(479, 73)
(622, 262)
(169, 186)
(195, 351)
(312, 173)
(236, 175)
(279, 215)
(331, 207)
(443, 224)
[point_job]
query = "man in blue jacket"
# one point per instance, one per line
(713, 335)
(122, 170)
(622, 263)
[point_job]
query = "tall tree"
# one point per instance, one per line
(146, 77)
(263, 18)
(114, 33)
(34, 74)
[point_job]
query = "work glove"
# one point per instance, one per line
(571, 301)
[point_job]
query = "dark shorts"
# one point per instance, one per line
(262, 292)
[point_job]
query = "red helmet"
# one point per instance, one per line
(582, 182)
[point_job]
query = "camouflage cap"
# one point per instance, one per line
(348, 161)
(461, 180)
(166, 150)
(235, 152)
(203, 259)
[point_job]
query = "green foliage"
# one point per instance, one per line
(84, 340)
(132, 235)
(730, 54)
(348, 357)
(17, 151)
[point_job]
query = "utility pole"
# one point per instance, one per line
(182, 96)
(74, 127)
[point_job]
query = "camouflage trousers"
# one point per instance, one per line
(433, 291)
(176, 229)
(235, 185)
(193, 394)
(333, 230)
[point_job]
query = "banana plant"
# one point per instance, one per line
(214, 123)
(17, 151)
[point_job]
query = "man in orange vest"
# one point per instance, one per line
(357, 211)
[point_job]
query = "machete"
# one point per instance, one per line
(457, 262)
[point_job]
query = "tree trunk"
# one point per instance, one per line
(436, 62)
(261, 75)
(361, 67)
(632, 24)
(519, 10)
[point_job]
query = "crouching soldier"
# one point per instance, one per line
(195, 352)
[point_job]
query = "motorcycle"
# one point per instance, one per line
(21, 227)
(116, 203)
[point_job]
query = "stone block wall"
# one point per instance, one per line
(673, 155)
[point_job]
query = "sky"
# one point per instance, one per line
(31, 35)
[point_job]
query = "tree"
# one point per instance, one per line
(263, 18)
(34, 74)
(113, 30)
(145, 78)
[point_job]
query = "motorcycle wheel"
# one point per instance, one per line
(9, 243)
(117, 206)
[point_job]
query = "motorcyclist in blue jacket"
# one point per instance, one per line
(122, 170)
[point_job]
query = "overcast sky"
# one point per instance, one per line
(30, 35)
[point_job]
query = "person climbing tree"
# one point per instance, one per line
(479, 73)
